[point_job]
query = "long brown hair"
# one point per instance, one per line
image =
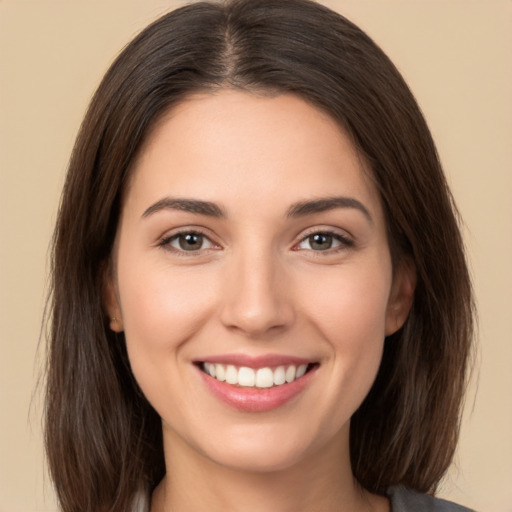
(103, 439)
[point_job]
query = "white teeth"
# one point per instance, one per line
(246, 377)
(301, 370)
(279, 376)
(260, 378)
(231, 375)
(264, 378)
(220, 372)
(290, 374)
(210, 368)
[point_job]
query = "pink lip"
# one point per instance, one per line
(254, 399)
(268, 360)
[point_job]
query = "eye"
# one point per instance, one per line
(187, 241)
(323, 241)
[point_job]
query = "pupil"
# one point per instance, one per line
(191, 242)
(320, 242)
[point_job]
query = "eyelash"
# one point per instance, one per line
(344, 242)
(165, 243)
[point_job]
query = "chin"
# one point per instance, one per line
(267, 448)
(255, 459)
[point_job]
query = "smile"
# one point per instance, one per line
(262, 378)
(256, 384)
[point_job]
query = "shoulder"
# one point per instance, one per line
(407, 500)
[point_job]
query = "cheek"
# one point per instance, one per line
(162, 308)
(349, 312)
(350, 305)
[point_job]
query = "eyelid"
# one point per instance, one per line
(164, 241)
(346, 240)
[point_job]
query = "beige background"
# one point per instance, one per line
(456, 55)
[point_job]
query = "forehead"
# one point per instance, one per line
(250, 146)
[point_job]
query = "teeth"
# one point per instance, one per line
(264, 378)
(246, 377)
(231, 375)
(220, 372)
(290, 374)
(301, 370)
(261, 378)
(279, 376)
(210, 368)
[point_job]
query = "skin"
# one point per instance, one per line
(256, 286)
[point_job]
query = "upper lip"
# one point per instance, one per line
(263, 361)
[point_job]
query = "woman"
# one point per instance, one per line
(260, 296)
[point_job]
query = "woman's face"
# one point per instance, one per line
(252, 245)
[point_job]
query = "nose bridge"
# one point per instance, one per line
(255, 295)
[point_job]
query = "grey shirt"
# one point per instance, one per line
(406, 500)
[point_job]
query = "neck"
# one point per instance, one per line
(322, 483)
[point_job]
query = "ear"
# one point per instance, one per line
(111, 299)
(401, 296)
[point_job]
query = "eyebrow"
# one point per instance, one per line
(186, 205)
(299, 209)
(303, 208)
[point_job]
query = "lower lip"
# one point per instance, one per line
(249, 399)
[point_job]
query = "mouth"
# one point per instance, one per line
(256, 383)
(265, 377)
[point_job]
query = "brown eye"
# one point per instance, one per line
(320, 241)
(189, 241)
(323, 241)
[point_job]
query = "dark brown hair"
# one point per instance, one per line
(103, 439)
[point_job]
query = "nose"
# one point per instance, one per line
(256, 298)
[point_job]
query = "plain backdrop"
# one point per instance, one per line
(456, 56)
